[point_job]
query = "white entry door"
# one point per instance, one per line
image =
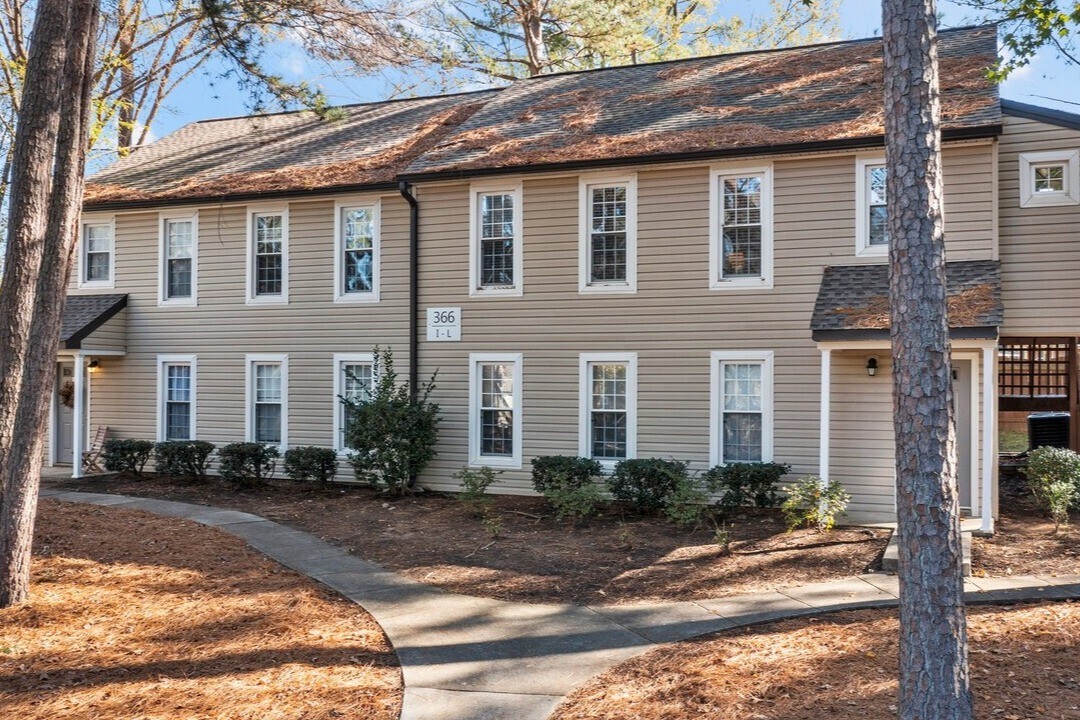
(65, 412)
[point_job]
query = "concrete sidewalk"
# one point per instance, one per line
(479, 659)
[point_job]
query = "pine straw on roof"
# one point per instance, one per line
(383, 167)
(137, 616)
(841, 667)
(966, 308)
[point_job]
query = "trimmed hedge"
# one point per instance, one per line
(312, 463)
(247, 464)
(128, 456)
(649, 485)
(569, 484)
(746, 484)
(183, 459)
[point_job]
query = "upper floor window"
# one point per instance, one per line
(179, 239)
(357, 263)
(1050, 178)
(176, 397)
(742, 390)
(267, 399)
(496, 263)
(97, 254)
(354, 379)
(608, 248)
(268, 256)
(608, 421)
(871, 212)
(741, 249)
(495, 410)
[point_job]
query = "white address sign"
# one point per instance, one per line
(444, 324)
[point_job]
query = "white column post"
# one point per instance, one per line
(78, 431)
(989, 434)
(826, 390)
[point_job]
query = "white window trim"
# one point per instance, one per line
(585, 285)
(340, 296)
(766, 358)
(339, 360)
(249, 395)
(1069, 196)
(252, 298)
(716, 259)
(163, 260)
(162, 361)
(585, 404)
(863, 248)
(475, 190)
(475, 458)
(109, 220)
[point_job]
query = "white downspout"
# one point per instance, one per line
(826, 391)
(986, 513)
(78, 431)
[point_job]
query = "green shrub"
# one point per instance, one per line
(688, 503)
(649, 485)
(569, 484)
(809, 504)
(1054, 478)
(247, 464)
(474, 485)
(128, 456)
(183, 458)
(746, 484)
(391, 433)
(308, 462)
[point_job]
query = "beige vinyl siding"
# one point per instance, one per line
(674, 321)
(223, 329)
(111, 336)
(1040, 246)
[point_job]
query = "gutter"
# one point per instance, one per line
(157, 203)
(414, 283)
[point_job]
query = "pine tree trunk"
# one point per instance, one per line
(934, 682)
(21, 468)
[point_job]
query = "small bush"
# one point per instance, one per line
(474, 485)
(128, 456)
(247, 464)
(809, 504)
(1054, 478)
(647, 484)
(563, 470)
(687, 504)
(310, 463)
(183, 458)
(576, 501)
(746, 484)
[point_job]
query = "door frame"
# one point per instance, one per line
(974, 436)
(53, 458)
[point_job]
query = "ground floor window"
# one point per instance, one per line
(176, 397)
(742, 391)
(608, 420)
(495, 409)
(354, 379)
(267, 386)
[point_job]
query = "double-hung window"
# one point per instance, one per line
(608, 247)
(608, 420)
(871, 212)
(495, 256)
(741, 248)
(96, 257)
(268, 399)
(742, 392)
(1050, 178)
(495, 409)
(357, 256)
(179, 249)
(268, 256)
(354, 380)
(176, 397)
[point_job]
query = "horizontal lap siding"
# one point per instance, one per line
(112, 335)
(1040, 246)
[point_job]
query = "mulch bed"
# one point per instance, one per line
(841, 667)
(611, 559)
(1024, 541)
(142, 617)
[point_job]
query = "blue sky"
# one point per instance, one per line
(1047, 81)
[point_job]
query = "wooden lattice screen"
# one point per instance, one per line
(1039, 374)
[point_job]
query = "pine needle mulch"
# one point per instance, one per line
(137, 616)
(841, 667)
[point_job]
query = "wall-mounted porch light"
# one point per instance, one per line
(871, 366)
(93, 365)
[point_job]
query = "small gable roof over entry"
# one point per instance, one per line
(83, 314)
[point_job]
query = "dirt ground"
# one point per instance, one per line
(141, 617)
(841, 667)
(1024, 542)
(612, 559)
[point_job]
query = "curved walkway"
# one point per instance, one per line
(481, 659)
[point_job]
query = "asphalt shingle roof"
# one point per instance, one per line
(856, 298)
(85, 313)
